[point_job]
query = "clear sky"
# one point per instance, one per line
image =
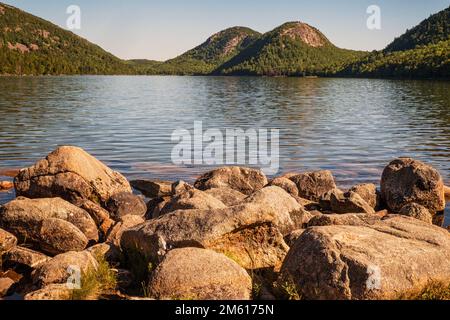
(156, 29)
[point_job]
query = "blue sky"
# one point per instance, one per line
(164, 29)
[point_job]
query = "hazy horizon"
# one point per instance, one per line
(161, 30)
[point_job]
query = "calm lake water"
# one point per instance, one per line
(353, 127)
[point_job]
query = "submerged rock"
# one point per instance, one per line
(199, 274)
(72, 174)
(244, 180)
(380, 260)
(407, 181)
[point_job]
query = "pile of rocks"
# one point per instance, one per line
(203, 241)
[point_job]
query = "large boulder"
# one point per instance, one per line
(53, 224)
(62, 267)
(244, 180)
(198, 274)
(7, 240)
(246, 230)
(122, 204)
(227, 196)
(312, 185)
(349, 202)
(70, 173)
(378, 260)
(407, 180)
(192, 199)
(369, 193)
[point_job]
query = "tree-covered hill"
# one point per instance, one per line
(422, 52)
(430, 31)
(216, 50)
(32, 46)
(294, 48)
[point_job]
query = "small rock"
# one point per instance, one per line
(293, 236)
(325, 199)
(180, 187)
(100, 215)
(447, 193)
(122, 204)
(5, 285)
(199, 274)
(107, 251)
(7, 240)
(417, 211)
(153, 188)
(244, 180)
(124, 278)
(155, 206)
(127, 222)
(349, 202)
(288, 185)
(6, 185)
(369, 193)
(312, 185)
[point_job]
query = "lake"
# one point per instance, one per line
(353, 127)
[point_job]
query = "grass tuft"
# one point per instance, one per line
(96, 282)
(433, 290)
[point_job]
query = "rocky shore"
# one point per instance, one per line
(233, 234)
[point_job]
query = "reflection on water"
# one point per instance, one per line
(352, 127)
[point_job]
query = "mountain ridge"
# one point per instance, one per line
(30, 45)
